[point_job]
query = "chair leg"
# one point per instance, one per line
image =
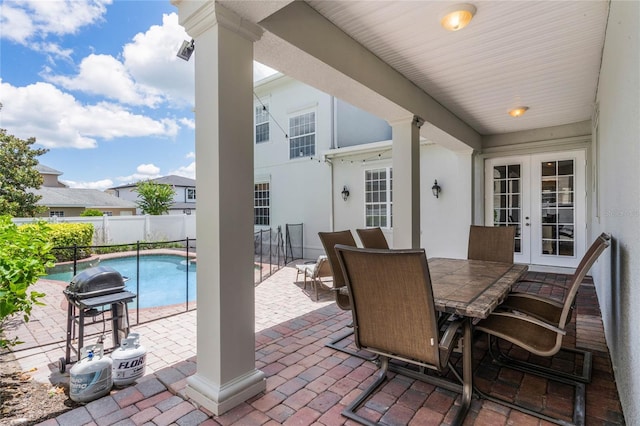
(350, 410)
(578, 381)
(333, 344)
(503, 359)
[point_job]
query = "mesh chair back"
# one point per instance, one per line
(392, 302)
(589, 258)
(491, 243)
(329, 241)
(372, 238)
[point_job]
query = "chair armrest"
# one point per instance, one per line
(450, 334)
(521, 316)
(518, 295)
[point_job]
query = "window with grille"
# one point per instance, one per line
(191, 194)
(302, 135)
(378, 197)
(56, 213)
(261, 203)
(262, 123)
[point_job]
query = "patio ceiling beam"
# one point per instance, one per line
(305, 45)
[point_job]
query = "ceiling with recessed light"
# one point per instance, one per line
(541, 54)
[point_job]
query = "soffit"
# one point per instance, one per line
(542, 54)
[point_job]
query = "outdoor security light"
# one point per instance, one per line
(186, 50)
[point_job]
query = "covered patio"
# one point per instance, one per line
(310, 384)
(575, 65)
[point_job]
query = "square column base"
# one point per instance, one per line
(221, 398)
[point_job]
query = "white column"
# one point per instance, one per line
(226, 374)
(406, 182)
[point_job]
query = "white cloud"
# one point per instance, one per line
(190, 155)
(99, 185)
(143, 172)
(56, 119)
(151, 60)
(148, 169)
(28, 21)
(188, 171)
(103, 75)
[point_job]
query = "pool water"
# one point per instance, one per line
(163, 278)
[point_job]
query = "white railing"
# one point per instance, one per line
(129, 229)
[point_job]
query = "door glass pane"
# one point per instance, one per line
(506, 199)
(557, 203)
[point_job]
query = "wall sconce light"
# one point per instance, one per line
(345, 193)
(186, 50)
(436, 189)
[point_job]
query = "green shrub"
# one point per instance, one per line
(91, 212)
(24, 256)
(68, 235)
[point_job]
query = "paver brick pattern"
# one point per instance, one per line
(310, 384)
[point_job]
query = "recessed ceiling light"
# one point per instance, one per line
(457, 17)
(517, 112)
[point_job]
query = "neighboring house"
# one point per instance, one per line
(62, 201)
(295, 126)
(184, 200)
(563, 172)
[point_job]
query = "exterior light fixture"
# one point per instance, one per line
(186, 50)
(519, 111)
(345, 193)
(457, 16)
(436, 189)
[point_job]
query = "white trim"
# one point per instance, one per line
(299, 110)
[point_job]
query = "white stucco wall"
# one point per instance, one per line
(444, 221)
(617, 274)
(299, 188)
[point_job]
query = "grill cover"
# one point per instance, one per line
(95, 281)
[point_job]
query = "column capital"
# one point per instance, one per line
(199, 16)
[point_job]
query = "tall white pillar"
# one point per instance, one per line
(406, 182)
(226, 374)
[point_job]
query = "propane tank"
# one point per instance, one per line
(128, 360)
(90, 378)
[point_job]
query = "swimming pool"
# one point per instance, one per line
(163, 278)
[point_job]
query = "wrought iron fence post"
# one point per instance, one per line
(138, 282)
(187, 272)
(75, 259)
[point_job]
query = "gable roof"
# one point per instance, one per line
(173, 180)
(46, 170)
(77, 197)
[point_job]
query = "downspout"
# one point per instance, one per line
(334, 137)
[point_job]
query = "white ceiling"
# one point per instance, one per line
(542, 54)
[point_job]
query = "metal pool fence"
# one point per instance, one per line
(272, 251)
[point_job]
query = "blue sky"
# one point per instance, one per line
(98, 83)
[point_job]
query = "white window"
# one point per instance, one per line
(56, 213)
(261, 203)
(191, 194)
(108, 213)
(262, 123)
(302, 135)
(378, 203)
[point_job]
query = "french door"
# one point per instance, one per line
(543, 196)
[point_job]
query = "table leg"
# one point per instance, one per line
(467, 372)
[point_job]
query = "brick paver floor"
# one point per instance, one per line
(309, 383)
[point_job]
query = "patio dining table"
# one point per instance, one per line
(471, 289)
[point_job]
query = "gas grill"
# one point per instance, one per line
(96, 291)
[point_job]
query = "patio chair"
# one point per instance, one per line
(329, 241)
(372, 238)
(315, 272)
(394, 315)
(491, 243)
(538, 325)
